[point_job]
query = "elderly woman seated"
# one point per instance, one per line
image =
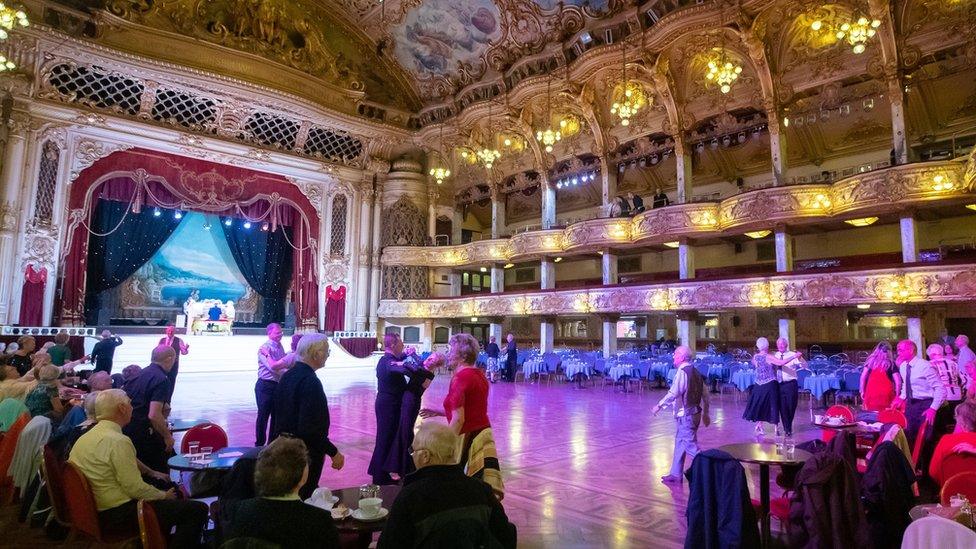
(278, 515)
(12, 385)
(962, 441)
(45, 398)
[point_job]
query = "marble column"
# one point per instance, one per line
(427, 338)
(609, 261)
(375, 270)
(497, 279)
(688, 329)
(610, 335)
(686, 260)
(787, 327)
(547, 274)
(547, 334)
(495, 330)
(784, 251)
(365, 244)
(432, 196)
(915, 331)
(682, 156)
(457, 221)
(777, 146)
(497, 212)
(608, 184)
(455, 279)
(11, 183)
(909, 239)
(899, 135)
(548, 203)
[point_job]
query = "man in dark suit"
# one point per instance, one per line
(104, 352)
(302, 411)
(180, 347)
(637, 201)
(150, 393)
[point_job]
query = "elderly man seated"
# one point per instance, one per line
(278, 515)
(107, 458)
(439, 505)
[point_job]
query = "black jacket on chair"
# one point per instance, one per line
(887, 495)
(826, 510)
(720, 512)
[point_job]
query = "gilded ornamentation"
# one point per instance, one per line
(40, 246)
(335, 271)
(87, 152)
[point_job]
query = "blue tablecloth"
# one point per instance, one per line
(743, 379)
(818, 385)
(622, 370)
(533, 366)
(718, 371)
(573, 367)
(660, 369)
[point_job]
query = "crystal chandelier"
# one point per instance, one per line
(858, 32)
(628, 97)
(10, 17)
(723, 72)
(548, 137)
(440, 173)
(488, 155)
(6, 64)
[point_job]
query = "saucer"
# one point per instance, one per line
(358, 515)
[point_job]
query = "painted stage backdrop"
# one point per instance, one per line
(195, 260)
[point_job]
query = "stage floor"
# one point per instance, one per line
(581, 467)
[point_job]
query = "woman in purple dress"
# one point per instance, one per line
(399, 460)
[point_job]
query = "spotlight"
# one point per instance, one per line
(742, 137)
(557, 260)
(559, 184)
(157, 213)
(264, 227)
(756, 131)
(228, 222)
(483, 269)
(508, 265)
(643, 163)
(575, 181)
(700, 147)
(714, 143)
(247, 224)
(726, 141)
(633, 164)
(586, 38)
(654, 159)
(621, 167)
(867, 104)
(178, 214)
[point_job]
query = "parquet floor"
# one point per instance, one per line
(581, 467)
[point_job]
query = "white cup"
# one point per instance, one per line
(322, 495)
(818, 418)
(370, 507)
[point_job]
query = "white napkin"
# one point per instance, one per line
(231, 455)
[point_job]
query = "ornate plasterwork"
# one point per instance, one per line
(335, 271)
(312, 191)
(87, 152)
(881, 191)
(40, 246)
(940, 284)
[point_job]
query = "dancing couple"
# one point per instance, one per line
(401, 381)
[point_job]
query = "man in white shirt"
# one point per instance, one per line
(690, 401)
(922, 394)
(966, 359)
(107, 458)
(789, 390)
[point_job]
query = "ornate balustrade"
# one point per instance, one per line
(917, 284)
(874, 193)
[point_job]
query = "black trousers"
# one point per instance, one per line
(264, 391)
(151, 450)
(187, 516)
(914, 410)
(788, 396)
(316, 461)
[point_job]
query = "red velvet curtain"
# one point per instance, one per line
(152, 178)
(32, 296)
(335, 309)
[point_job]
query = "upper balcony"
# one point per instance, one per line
(883, 192)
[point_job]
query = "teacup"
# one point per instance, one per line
(322, 495)
(370, 507)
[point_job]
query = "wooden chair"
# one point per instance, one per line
(963, 483)
(82, 509)
(150, 531)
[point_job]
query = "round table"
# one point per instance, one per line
(576, 370)
(180, 425)
(222, 459)
(818, 385)
(764, 454)
(743, 379)
(350, 498)
(622, 370)
(535, 366)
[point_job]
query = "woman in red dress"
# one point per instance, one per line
(880, 380)
(466, 410)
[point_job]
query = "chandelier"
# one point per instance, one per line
(440, 173)
(488, 156)
(628, 97)
(9, 18)
(858, 32)
(723, 72)
(548, 137)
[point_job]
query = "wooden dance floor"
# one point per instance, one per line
(582, 468)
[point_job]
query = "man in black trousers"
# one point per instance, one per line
(270, 369)
(511, 358)
(302, 411)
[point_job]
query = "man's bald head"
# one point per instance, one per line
(164, 356)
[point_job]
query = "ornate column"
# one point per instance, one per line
(891, 61)
(432, 196)
(457, 220)
(497, 278)
(608, 183)
(547, 334)
(609, 264)
(374, 274)
(11, 183)
(784, 250)
(548, 202)
(777, 138)
(686, 260)
(497, 211)
(610, 334)
(495, 329)
(787, 326)
(682, 156)
(362, 277)
(547, 274)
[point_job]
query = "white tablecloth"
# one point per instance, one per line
(573, 367)
(533, 366)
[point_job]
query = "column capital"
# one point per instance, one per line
(691, 316)
(787, 313)
(549, 319)
(609, 317)
(19, 123)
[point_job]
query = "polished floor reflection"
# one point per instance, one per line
(582, 467)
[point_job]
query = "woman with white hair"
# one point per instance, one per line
(763, 405)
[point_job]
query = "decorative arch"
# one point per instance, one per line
(190, 184)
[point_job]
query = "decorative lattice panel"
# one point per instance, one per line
(403, 225)
(183, 109)
(97, 88)
(272, 131)
(337, 245)
(405, 283)
(47, 182)
(332, 145)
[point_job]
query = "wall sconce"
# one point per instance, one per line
(942, 183)
(674, 244)
(862, 221)
(759, 234)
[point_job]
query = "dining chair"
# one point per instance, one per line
(206, 434)
(959, 484)
(150, 530)
(82, 509)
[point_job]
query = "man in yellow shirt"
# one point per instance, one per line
(107, 458)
